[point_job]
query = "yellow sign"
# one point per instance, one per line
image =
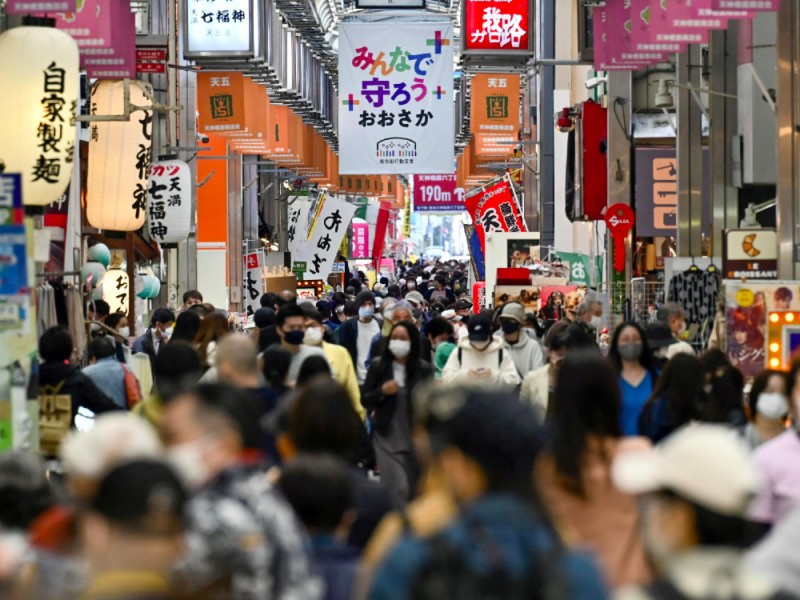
(745, 298)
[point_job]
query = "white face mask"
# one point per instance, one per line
(596, 322)
(772, 405)
(94, 327)
(187, 459)
(313, 336)
(399, 348)
(124, 332)
(167, 333)
(388, 314)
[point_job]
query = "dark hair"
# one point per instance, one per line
(100, 307)
(113, 319)
(562, 341)
(192, 294)
(783, 293)
(288, 311)
(177, 368)
(270, 300)
(161, 315)
(236, 406)
(792, 376)
(277, 361)
(201, 310)
(319, 487)
(312, 367)
(322, 419)
(413, 359)
(726, 401)
(760, 384)
(350, 309)
(713, 360)
(717, 530)
(313, 314)
(264, 317)
(25, 491)
(213, 327)
(646, 358)
(101, 347)
(438, 326)
(588, 405)
(681, 387)
(186, 327)
(55, 344)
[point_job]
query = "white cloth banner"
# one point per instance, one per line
(333, 217)
(396, 98)
(252, 282)
(297, 229)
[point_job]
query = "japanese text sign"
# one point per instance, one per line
(333, 216)
(437, 193)
(217, 28)
(10, 198)
(497, 26)
(116, 58)
(495, 209)
(13, 260)
(360, 240)
(252, 283)
(395, 98)
(494, 113)
(26, 7)
(169, 201)
(116, 290)
(297, 229)
(220, 102)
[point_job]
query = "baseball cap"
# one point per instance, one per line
(479, 328)
(142, 496)
(659, 335)
(513, 310)
(463, 304)
(704, 463)
(415, 298)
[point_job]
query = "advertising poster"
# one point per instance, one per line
(437, 193)
(395, 98)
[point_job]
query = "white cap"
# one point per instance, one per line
(450, 315)
(706, 464)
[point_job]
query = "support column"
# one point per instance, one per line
(723, 128)
(690, 153)
(545, 125)
(235, 238)
(788, 137)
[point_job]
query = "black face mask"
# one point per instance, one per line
(509, 326)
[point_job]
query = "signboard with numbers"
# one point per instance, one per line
(437, 193)
(497, 26)
(218, 28)
(395, 98)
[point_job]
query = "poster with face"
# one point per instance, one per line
(555, 299)
(527, 295)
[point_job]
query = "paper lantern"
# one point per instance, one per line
(93, 272)
(38, 103)
(99, 253)
(119, 156)
(116, 290)
(155, 288)
(169, 201)
(150, 286)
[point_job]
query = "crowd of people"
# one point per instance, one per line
(390, 442)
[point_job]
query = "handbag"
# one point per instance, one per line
(132, 391)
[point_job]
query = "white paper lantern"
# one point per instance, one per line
(116, 290)
(119, 156)
(38, 103)
(169, 202)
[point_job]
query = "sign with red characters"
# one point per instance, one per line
(495, 209)
(497, 26)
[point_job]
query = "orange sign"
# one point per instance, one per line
(221, 103)
(494, 113)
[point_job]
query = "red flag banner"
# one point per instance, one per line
(495, 208)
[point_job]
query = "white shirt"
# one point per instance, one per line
(366, 331)
(399, 372)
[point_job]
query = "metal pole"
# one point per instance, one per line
(545, 126)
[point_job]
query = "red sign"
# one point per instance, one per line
(619, 218)
(151, 67)
(495, 209)
(437, 193)
(151, 54)
(361, 240)
(497, 25)
(478, 296)
(251, 260)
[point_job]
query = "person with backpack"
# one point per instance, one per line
(501, 545)
(106, 371)
(525, 351)
(480, 359)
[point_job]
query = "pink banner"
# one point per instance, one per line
(642, 37)
(618, 51)
(27, 7)
(749, 5)
(436, 193)
(360, 240)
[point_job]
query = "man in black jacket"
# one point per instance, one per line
(357, 334)
(157, 334)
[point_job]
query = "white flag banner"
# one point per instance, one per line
(297, 229)
(252, 282)
(333, 217)
(396, 98)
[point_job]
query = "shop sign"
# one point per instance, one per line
(13, 260)
(216, 29)
(495, 208)
(395, 98)
(169, 201)
(437, 193)
(297, 230)
(330, 225)
(494, 113)
(91, 24)
(580, 268)
(337, 268)
(10, 199)
(656, 192)
(360, 240)
(252, 283)
(619, 220)
(151, 60)
(478, 296)
(26, 7)
(220, 102)
(498, 26)
(750, 253)
(751, 5)
(116, 290)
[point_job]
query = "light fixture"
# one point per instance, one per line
(564, 121)
(664, 97)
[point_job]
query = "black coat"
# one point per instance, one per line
(383, 407)
(82, 389)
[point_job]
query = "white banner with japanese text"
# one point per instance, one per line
(297, 229)
(252, 282)
(332, 218)
(395, 98)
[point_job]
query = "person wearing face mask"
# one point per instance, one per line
(437, 332)
(356, 335)
(631, 356)
(524, 350)
(778, 462)
(538, 387)
(768, 409)
(243, 539)
(291, 322)
(481, 359)
(157, 335)
(672, 315)
(581, 329)
(387, 394)
(338, 358)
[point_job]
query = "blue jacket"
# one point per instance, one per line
(512, 527)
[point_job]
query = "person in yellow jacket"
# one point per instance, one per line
(337, 356)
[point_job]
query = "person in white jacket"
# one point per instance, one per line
(480, 359)
(525, 351)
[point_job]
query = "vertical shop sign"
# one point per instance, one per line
(437, 193)
(497, 26)
(395, 98)
(494, 113)
(13, 260)
(297, 230)
(220, 102)
(495, 208)
(252, 283)
(333, 217)
(10, 199)
(217, 28)
(360, 240)
(116, 290)
(169, 201)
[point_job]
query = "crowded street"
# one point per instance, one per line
(399, 300)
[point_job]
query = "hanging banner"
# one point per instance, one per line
(116, 290)
(298, 221)
(226, 31)
(220, 102)
(332, 218)
(495, 209)
(580, 266)
(13, 260)
(497, 26)
(381, 225)
(27, 7)
(169, 201)
(437, 193)
(360, 240)
(117, 59)
(252, 283)
(395, 98)
(494, 113)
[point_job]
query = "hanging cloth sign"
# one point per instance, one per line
(495, 209)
